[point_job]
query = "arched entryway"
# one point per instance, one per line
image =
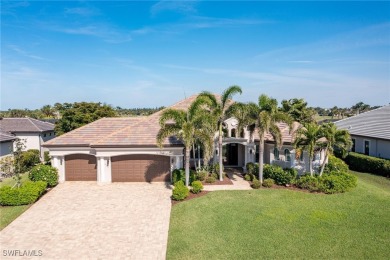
(233, 154)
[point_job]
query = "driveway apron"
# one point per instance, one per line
(84, 220)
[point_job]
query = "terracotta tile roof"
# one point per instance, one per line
(25, 124)
(287, 136)
(92, 132)
(6, 137)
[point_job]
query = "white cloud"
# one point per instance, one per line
(174, 6)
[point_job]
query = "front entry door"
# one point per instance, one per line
(230, 154)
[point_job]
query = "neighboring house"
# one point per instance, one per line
(6, 144)
(124, 149)
(33, 131)
(370, 132)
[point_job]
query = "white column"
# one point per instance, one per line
(58, 162)
(246, 151)
(103, 170)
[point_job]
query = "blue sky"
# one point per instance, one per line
(148, 54)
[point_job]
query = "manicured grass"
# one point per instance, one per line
(11, 181)
(8, 214)
(284, 224)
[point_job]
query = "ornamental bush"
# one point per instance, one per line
(280, 176)
(197, 187)
(45, 173)
(308, 182)
(180, 191)
(365, 163)
(337, 182)
(268, 183)
(256, 184)
(216, 168)
(335, 165)
(252, 168)
(202, 175)
(29, 159)
(210, 179)
(249, 177)
(28, 193)
(178, 175)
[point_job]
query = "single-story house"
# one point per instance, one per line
(124, 149)
(33, 131)
(6, 144)
(370, 132)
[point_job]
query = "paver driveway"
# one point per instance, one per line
(82, 220)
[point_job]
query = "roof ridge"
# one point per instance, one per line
(177, 103)
(119, 130)
(364, 113)
(29, 119)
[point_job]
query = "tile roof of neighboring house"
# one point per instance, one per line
(374, 123)
(25, 124)
(6, 137)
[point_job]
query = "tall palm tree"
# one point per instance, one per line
(241, 112)
(187, 127)
(339, 139)
(265, 115)
(307, 137)
(218, 109)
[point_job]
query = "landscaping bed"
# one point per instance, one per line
(226, 181)
(190, 197)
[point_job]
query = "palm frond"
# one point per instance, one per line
(228, 94)
(178, 116)
(166, 131)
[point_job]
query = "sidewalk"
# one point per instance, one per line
(238, 182)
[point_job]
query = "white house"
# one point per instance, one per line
(125, 150)
(33, 131)
(370, 132)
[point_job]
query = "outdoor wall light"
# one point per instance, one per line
(250, 151)
(108, 162)
(173, 160)
(216, 152)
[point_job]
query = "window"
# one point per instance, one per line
(366, 147)
(301, 156)
(276, 153)
(233, 133)
(353, 145)
(44, 135)
(287, 155)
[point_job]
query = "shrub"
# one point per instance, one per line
(210, 179)
(214, 175)
(280, 176)
(180, 192)
(216, 168)
(29, 159)
(256, 184)
(308, 182)
(268, 183)
(337, 182)
(248, 177)
(28, 193)
(180, 175)
(335, 165)
(252, 168)
(365, 163)
(46, 158)
(202, 175)
(44, 173)
(197, 187)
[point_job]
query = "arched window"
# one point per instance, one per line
(233, 133)
(287, 155)
(301, 156)
(276, 153)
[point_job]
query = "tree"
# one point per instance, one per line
(47, 111)
(360, 107)
(20, 146)
(187, 127)
(218, 109)
(339, 139)
(241, 112)
(307, 137)
(265, 115)
(78, 114)
(298, 110)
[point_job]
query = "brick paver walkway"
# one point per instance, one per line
(82, 220)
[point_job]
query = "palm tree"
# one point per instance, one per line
(241, 112)
(339, 139)
(186, 126)
(218, 109)
(265, 115)
(307, 137)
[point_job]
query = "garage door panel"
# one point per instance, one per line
(80, 167)
(140, 168)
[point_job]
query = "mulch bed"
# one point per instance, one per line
(226, 181)
(191, 196)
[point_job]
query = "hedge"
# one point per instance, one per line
(365, 163)
(28, 193)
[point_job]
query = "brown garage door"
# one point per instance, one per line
(140, 168)
(80, 167)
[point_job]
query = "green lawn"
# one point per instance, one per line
(284, 224)
(8, 214)
(11, 181)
